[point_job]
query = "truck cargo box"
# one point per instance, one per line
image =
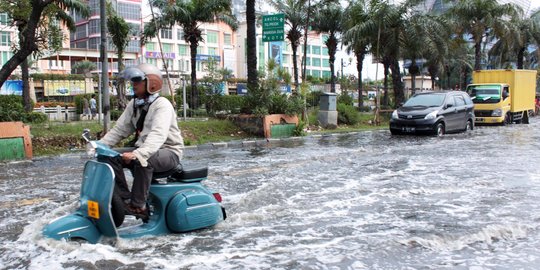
(522, 85)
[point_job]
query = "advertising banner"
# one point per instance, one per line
(10, 87)
(64, 88)
(276, 52)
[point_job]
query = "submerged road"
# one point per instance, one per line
(358, 201)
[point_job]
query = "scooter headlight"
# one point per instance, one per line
(497, 113)
(91, 149)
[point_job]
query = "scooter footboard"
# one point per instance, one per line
(191, 210)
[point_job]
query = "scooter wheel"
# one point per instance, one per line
(117, 210)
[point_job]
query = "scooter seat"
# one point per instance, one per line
(188, 175)
(182, 174)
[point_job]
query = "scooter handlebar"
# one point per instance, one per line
(97, 148)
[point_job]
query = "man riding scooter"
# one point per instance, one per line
(158, 142)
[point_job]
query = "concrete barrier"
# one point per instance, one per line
(15, 141)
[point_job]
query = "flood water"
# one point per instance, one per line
(358, 201)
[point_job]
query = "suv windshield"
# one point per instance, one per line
(485, 93)
(425, 100)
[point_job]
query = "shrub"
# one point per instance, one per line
(12, 110)
(345, 99)
(347, 114)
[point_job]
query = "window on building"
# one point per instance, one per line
(325, 50)
(316, 73)
(4, 57)
(308, 61)
(326, 62)
(213, 51)
(325, 38)
(199, 66)
(167, 47)
(200, 50)
(150, 46)
(183, 50)
(180, 34)
(151, 61)
(166, 33)
(316, 50)
(5, 39)
(327, 74)
(285, 59)
(211, 37)
(4, 19)
(227, 39)
(316, 62)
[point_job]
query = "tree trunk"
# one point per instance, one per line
(304, 55)
(295, 64)
(399, 96)
(520, 57)
(385, 80)
(253, 81)
(121, 86)
(28, 45)
(477, 55)
(359, 66)
(27, 102)
(331, 44)
(194, 92)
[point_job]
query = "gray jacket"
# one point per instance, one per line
(160, 130)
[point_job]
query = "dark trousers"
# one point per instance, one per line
(163, 160)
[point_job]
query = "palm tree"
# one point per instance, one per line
(482, 20)
(190, 15)
(524, 31)
(295, 17)
(328, 20)
(37, 24)
(251, 45)
(354, 16)
(120, 34)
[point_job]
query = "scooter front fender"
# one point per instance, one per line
(71, 227)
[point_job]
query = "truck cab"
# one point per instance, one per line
(491, 102)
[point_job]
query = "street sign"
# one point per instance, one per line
(273, 27)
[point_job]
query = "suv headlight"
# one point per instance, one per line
(431, 115)
(497, 112)
(395, 115)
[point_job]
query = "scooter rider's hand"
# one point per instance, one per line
(128, 157)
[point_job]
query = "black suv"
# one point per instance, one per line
(434, 112)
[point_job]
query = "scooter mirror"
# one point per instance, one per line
(86, 135)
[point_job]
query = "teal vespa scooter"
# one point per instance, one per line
(178, 202)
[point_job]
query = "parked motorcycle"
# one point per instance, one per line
(177, 202)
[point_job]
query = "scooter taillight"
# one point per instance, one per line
(217, 196)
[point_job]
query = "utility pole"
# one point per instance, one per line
(104, 66)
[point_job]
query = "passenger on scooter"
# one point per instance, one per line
(158, 141)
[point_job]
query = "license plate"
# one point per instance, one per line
(93, 209)
(479, 119)
(408, 129)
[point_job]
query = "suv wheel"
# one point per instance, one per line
(439, 129)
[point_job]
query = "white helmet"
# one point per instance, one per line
(150, 73)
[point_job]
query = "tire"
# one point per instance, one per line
(526, 116)
(469, 126)
(117, 210)
(507, 119)
(439, 129)
(395, 132)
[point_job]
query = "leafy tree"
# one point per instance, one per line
(482, 20)
(328, 20)
(37, 23)
(83, 67)
(120, 35)
(190, 15)
(512, 46)
(295, 17)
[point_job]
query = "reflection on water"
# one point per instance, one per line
(360, 201)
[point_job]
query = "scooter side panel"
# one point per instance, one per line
(98, 186)
(193, 209)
